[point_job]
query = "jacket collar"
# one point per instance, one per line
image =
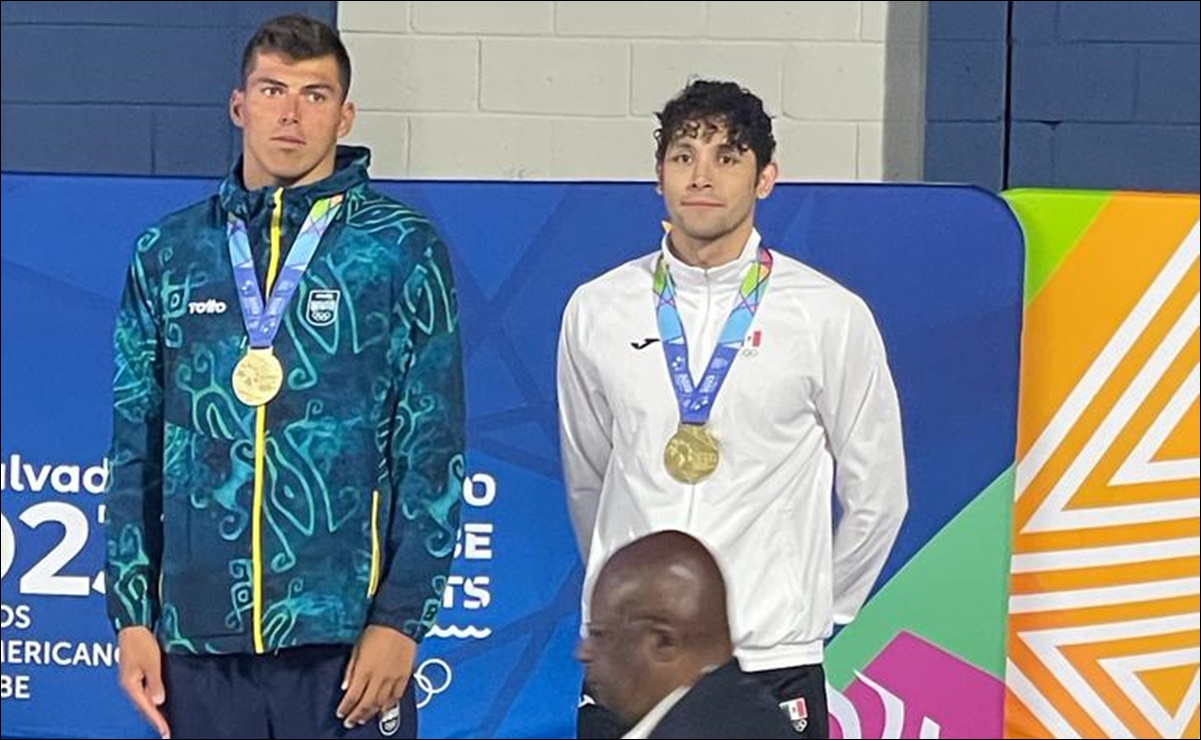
(686, 275)
(350, 169)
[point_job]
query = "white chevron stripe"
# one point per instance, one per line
(1102, 367)
(1053, 515)
(1140, 467)
(1042, 709)
(1124, 672)
(1091, 597)
(1092, 557)
(1046, 645)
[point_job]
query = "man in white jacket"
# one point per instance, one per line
(721, 388)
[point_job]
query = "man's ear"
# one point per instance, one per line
(666, 642)
(767, 180)
(236, 100)
(347, 120)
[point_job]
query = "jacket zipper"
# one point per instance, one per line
(260, 442)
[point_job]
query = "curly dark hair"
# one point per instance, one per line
(706, 105)
(297, 37)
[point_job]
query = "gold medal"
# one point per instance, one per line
(258, 377)
(691, 454)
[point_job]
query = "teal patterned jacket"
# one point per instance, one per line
(233, 529)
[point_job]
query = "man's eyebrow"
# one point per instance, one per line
(280, 83)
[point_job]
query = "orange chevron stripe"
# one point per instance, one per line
(1097, 491)
(1103, 402)
(1087, 299)
(1109, 614)
(1023, 724)
(1107, 536)
(1084, 657)
(1114, 575)
(1087, 659)
(1106, 588)
(1050, 687)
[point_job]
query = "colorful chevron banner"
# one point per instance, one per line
(1105, 587)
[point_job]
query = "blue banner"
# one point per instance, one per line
(941, 268)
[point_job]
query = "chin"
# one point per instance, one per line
(599, 695)
(703, 228)
(706, 235)
(290, 171)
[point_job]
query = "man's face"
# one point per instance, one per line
(710, 186)
(292, 114)
(616, 653)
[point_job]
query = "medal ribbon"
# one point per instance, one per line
(696, 401)
(263, 318)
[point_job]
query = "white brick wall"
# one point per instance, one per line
(483, 18)
(785, 21)
(555, 77)
(568, 90)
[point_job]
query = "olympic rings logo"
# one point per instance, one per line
(432, 677)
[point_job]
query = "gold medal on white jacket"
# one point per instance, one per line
(692, 454)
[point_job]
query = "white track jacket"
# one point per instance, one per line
(808, 408)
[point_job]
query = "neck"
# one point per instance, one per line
(693, 668)
(708, 253)
(254, 178)
(258, 183)
(716, 655)
(683, 673)
(671, 682)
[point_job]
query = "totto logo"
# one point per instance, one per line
(211, 306)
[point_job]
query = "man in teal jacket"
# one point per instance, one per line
(288, 444)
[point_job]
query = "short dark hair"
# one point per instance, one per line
(704, 106)
(297, 37)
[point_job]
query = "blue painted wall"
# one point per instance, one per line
(1064, 94)
(1019, 94)
(123, 87)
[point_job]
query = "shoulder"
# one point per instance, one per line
(383, 229)
(831, 309)
(822, 292)
(726, 703)
(370, 210)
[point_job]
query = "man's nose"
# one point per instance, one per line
(583, 651)
(290, 113)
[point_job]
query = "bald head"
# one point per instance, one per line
(672, 579)
(657, 621)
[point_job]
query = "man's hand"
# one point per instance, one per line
(379, 670)
(141, 674)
